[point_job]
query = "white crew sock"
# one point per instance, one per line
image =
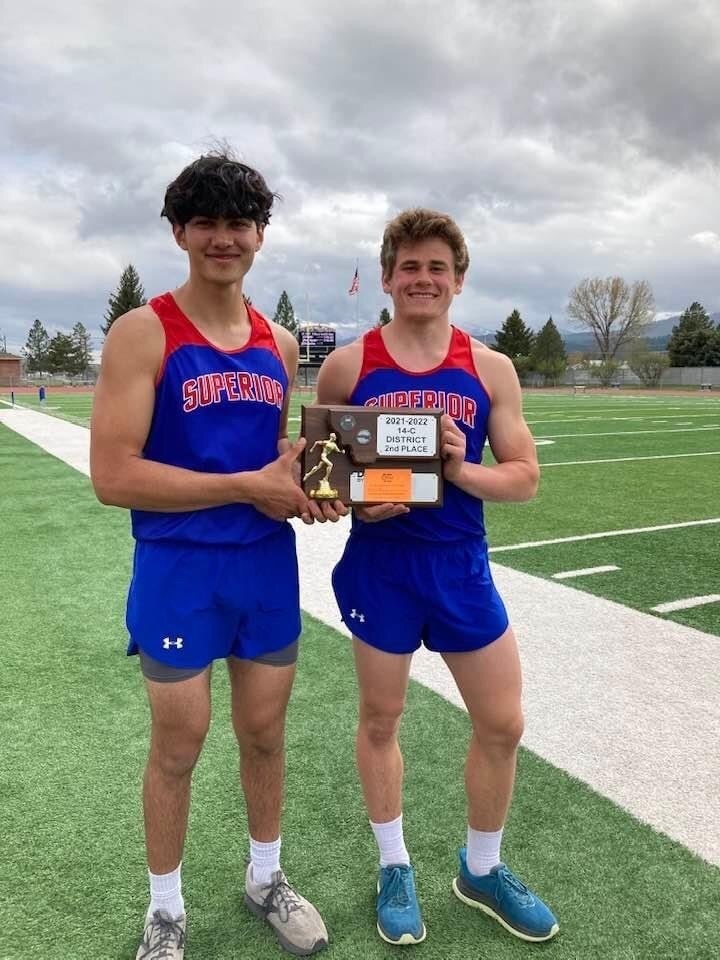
(265, 859)
(391, 842)
(483, 851)
(166, 893)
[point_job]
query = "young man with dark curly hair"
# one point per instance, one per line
(422, 576)
(189, 431)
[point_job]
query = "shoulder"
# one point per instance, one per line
(285, 340)
(139, 329)
(347, 359)
(135, 345)
(340, 371)
(494, 369)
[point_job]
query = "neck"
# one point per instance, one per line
(212, 303)
(425, 334)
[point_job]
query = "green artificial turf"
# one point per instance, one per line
(75, 725)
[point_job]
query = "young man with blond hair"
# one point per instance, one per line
(412, 576)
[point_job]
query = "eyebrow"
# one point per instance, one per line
(414, 263)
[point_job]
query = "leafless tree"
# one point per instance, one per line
(614, 312)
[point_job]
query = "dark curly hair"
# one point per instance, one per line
(217, 185)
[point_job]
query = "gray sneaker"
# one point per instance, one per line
(163, 939)
(295, 921)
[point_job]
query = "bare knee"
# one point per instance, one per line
(174, 751)
(262, 735)
(501, 732)
(379, 725)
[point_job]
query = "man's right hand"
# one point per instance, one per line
(275, 491)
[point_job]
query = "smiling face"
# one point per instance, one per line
(423, 281)
(220, 250)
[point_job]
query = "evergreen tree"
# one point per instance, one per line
(128, 296)
(81, 350)
(60, 355)
(516, 341)
(35, 350)
(285, 314)
(695, 341)
(548, 355)
(384, 317)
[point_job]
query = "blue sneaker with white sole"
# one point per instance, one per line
(398, 913)
(503, 896)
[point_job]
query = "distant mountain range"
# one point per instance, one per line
(578, 341)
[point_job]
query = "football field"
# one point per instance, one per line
(628, 512)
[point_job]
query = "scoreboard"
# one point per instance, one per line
(316, 342)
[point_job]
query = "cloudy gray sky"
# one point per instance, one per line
(568, 139)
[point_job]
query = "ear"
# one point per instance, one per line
(459, 280)
(260, 237)
(179, 234)
(386, 278)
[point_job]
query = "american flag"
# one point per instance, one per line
(355, 285)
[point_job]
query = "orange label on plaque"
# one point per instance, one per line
(387, 486)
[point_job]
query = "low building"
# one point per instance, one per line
(10, 369)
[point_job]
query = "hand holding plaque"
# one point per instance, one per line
(375, 455)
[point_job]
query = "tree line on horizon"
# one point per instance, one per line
(616, 314)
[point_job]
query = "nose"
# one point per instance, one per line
(222, 240)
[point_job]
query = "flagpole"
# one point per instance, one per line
(357, 299)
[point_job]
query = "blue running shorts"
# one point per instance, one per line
(189, 605)
(397, 595)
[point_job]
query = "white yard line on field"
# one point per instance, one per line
(662, 456)
(687, 604)
(628, 433)
(529, 544)
(678, 416)
(610, 694)
(585, 572)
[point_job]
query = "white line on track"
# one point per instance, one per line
(687, 603)
(662, 456)
(605, 533)
(584, 572)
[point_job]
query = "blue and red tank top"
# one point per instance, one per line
(216, 411)
(453, 385)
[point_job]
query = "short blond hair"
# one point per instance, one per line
(416, 224)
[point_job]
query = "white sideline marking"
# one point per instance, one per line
(687, 603)
(660, 456)
(543, 443)
(566, 574)
(605, 533)
(629, 433)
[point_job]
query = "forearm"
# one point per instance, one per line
(514, 480)
(141, 484)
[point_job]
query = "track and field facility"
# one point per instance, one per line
(612, 578)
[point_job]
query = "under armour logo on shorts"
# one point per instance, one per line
(357, 616)
(177, 643)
